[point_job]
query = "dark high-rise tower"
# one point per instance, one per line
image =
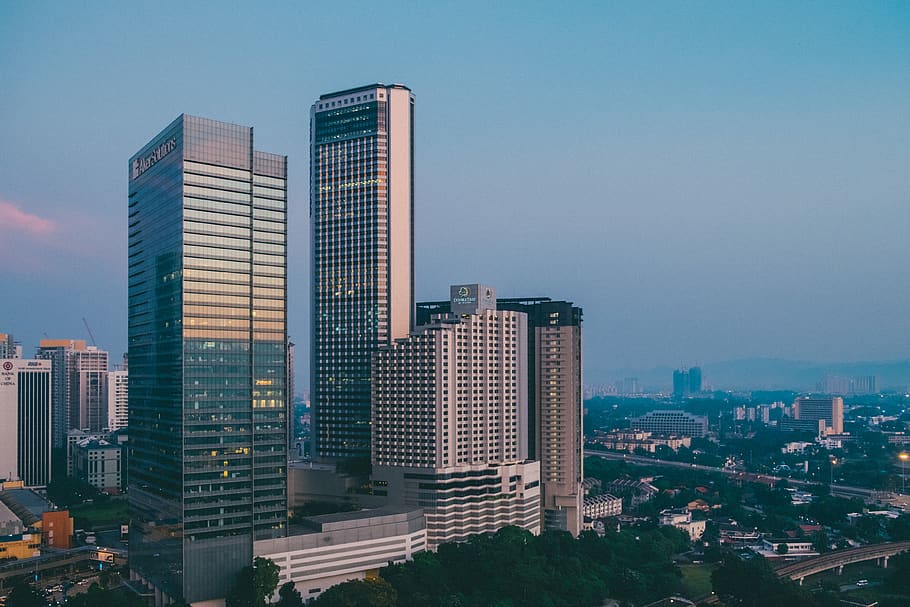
(696, 384)
(207, 354)
(362, 238)
(680, 383)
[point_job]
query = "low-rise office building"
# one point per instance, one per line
(673, 421)
(773, 547)
(73, 438)
(98, 462)
(634, 441)
(335, 548)
(682, 519)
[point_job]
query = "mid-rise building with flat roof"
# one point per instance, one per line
(831, 410)
(362, 248)
(673, 421)
(207, 356)
(99, 463)
(323, 551)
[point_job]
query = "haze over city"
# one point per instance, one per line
(708, 181)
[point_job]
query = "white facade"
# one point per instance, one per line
(117, 400)
(87, 388)
(682, 519)
(449, 413)
(454, 394)
(25, 421)
(672, 421)
(345, 547)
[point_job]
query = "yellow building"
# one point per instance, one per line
(22, 546)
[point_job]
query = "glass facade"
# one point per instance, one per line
(34, 396)
(207, 350)
(361, 217)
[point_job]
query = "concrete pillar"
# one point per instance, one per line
(801, 581)
(840, 570)
(885, 562)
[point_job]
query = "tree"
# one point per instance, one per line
(782, 548)
(821, 543)
(289, 596)
(254, 584)
(109, 598)
(359, 593)
(23, 595)
(754, 583)
(69, 491)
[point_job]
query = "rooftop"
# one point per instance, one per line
(366, 87)
(25, 504)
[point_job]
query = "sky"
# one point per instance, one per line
(708, 180)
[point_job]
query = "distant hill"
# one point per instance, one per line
(773, 374)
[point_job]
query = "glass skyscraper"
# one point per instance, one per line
(207, 352)
(362, 222)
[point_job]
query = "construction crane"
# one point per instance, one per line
(87, 328)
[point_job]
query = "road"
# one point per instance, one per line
(861, 492)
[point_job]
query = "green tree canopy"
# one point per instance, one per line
(23, 595)
(359, 593)
(254, 584)
(288, 596)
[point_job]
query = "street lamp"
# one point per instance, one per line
(903, 456)
(831, 484)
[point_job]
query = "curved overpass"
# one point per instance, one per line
(803, 569)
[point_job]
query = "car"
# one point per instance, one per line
(861, 583)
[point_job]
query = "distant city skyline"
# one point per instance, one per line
(709, 182)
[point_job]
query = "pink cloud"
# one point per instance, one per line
(14, 219)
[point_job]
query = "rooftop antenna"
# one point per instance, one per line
(87, 328)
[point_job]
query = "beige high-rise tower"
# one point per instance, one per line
(555, 404)
(450, 421)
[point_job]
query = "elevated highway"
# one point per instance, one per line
(800, 570)
(866, 494)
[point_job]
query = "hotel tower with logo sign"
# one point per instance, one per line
(208, 359)
(361, 217)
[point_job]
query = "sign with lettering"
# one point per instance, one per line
(144, 163)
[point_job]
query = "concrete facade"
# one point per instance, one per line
(331, 549)
(99, 463)
(450, 421)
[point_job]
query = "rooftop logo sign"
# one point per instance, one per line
(141, 165)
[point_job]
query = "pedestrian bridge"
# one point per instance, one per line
(837, 560)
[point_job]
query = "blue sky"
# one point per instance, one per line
(708, 180)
